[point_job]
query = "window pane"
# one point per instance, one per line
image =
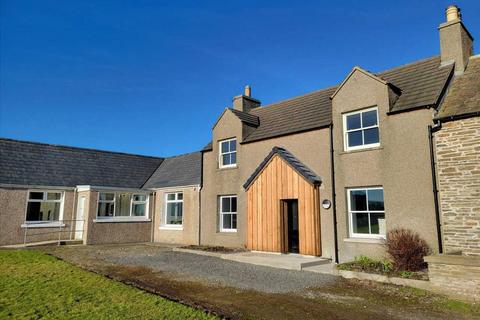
(233, 145)
(377, 221)
(233, 158)
(234, 204)
(123, 205)
(36, 196)
(105, 209)
(225, 159)
(174, 213)
(106, 196)
(234, 221)
(225, 145)
(43, 211)
(358, 200)
(375, 200)
(225, 204)
(54, 196)
(371, 136)
(138, 210)
(227, 221)
(353, 121)
(355, 138)
(139, 197)
(369, 118)
(360, 223)
(180, 196)
(171, 196)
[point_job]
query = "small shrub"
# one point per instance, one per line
(406, 249)
(387, 266)
(406, 274)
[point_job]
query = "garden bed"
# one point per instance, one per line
(384, 268)
(216, 249)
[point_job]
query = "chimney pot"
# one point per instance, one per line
(453, 13)
(248, 91)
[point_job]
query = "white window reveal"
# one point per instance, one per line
(366, 210)
(122, 205)
(44, 206)
(174, 210)
(228, 213)
(228, 153)
(360, 129)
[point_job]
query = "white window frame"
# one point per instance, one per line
(220, 154)
(39, 223)
(350, 214)
(124, 218)
(345, 131)
(222, 229)
(166, 225)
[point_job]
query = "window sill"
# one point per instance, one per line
(31, 225)
(172, 228)
(117, 220)
(361, 150)
(365, 240)
(228, 231)
(227, 168)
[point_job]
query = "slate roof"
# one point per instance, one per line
(463, 98)
(246, 117)
(421, 83)
(32, 163)
(183, 170)
(302, 169)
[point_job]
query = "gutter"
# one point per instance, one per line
(334, 202)
(431, 131)
(458, 117)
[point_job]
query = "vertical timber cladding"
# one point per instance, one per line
(279, 181)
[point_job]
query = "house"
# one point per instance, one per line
(324, 174)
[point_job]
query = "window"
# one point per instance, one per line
(361, 129)
(228, 153)
(228, 213)
(44, 206)
(174, 209)
(366, 212)
(122, 205)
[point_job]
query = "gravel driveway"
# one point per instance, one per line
(224, 272)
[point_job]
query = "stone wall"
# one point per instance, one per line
(456, 276)
(458, 165)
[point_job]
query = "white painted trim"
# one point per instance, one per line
(165, 225)
(38, 224)
(220, 154)
(345, 131)
(221, 228)
(350, 218)
(119, 219)
(45, 191)
(111, 189)
(174, 188)
(171, 227)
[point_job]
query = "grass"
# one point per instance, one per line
(34, 285)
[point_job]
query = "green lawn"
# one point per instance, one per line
(34, 285)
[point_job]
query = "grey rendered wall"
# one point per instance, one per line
(401, 165)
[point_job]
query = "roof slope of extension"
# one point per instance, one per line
(421, 84)
(40, 164)
(246, 117)
(463, 98)
(296, 164)
(183, 170)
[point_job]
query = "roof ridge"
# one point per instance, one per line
(78, 148)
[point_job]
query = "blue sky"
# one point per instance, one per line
(151, 77)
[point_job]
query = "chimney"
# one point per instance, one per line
(456, 43)
(245, 102)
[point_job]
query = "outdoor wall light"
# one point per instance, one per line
(326, 204)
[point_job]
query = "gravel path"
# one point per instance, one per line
(224, 272)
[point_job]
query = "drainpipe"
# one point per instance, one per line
(152, 213)
(334, 202)
(431, 131)
(200, 202)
